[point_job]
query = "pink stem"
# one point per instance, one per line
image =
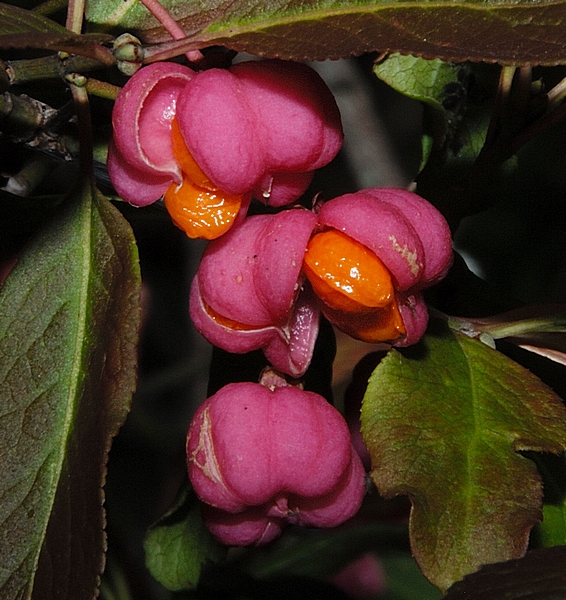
(171, 26)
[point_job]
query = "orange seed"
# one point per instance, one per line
(345, 274)
(201, 213)
(188, 164)
(355, 287)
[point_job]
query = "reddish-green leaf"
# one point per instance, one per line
(21, 28)
(69, 316)
(515, 32)
(444, 422)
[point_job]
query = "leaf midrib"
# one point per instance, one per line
(75, 375)
(477, 436)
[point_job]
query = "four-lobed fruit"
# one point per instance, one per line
(261, 459)
(210, 141)
(247, 293)
(377, 229)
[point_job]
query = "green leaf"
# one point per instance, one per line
(513, 33)
(458, 103)
(539, 575)
(21, 28)
(69, 318)
(420, 79)
(179, 545)
(435, 83)
(552, 530)
(16, 20)
(444, 422)
(320, 554)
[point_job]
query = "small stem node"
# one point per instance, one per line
(76, 79)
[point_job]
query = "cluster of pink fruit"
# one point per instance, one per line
(260, 456)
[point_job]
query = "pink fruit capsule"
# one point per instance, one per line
(261, 459)
(373, 254)
(248, 292)
(209, 141)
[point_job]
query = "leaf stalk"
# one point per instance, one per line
(171, 26)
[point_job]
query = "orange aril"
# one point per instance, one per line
(201, 213)
(354, 286)
(381, 325)
(226, 322)
(197, 206)
(188, 164)
(345, 274)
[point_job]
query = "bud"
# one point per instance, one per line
(129, 54)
